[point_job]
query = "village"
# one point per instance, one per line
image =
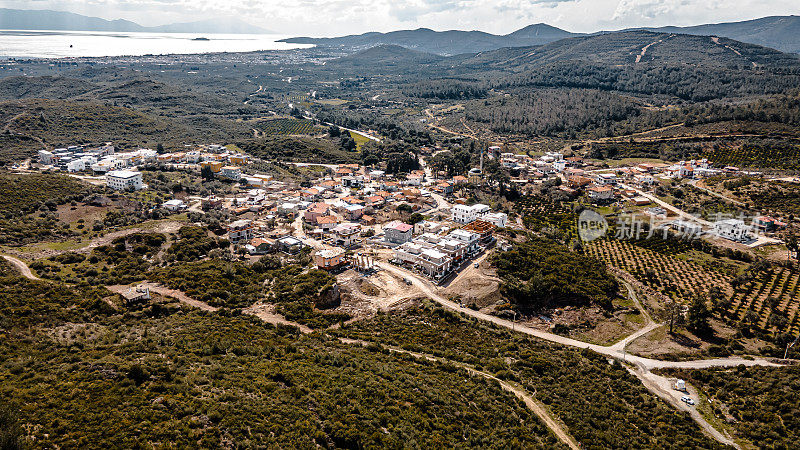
(417, 220)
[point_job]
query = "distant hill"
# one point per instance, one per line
(386, 56)
(451, 42)
(689, 67)
(640, 47)
(18, 19)
(778, 32)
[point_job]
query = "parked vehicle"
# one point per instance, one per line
(688, 400)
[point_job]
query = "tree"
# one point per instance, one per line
(716, 295)
(334, 131)
(348, 143)
(160, 148)
(207, 173)
(675, 314)
(698, 315)
(793, 245)
(415, 218)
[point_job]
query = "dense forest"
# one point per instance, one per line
(551, 112)
(541, 273)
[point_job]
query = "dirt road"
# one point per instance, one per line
(267, 314)
(23, 268)
(708, 191)
(662, 387)
(642, 367)
(167, 292)
(650, 325)
(428, 289)
(534, 405)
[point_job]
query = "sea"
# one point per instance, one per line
(65, 44)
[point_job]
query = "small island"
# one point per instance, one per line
(201, 39)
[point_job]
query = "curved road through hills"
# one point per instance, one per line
(20, 265)
(642, 367)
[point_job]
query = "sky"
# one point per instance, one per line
(339, 17)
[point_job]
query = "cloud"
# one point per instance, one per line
(336, 17)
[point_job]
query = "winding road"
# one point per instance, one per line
(23, 268)
(534, 405)
(642, 367)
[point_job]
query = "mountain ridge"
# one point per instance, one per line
(445, 43)
(777, 32)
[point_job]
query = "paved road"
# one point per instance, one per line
(23, 268)
(669, 207)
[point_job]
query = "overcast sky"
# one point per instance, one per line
(337, 17)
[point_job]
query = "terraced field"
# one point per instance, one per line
(768, 302)
(286, 127)
(773, 296)
(676, 278)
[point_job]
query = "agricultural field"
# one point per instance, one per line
(540, 213)
(359, 139)
(758, 154)
(766, 299)
(769, 301)
(286, 127)
(773, 197)
(676, 278)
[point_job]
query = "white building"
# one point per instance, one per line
(76, 165)
(497, 219)
(605, 179)
(231, 172)
(467, 214)
(174, 205)
(733, 229)
(108, 163)
(46, 158)
(123, 180)
(467, 237)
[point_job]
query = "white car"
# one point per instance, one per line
(688, 400)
